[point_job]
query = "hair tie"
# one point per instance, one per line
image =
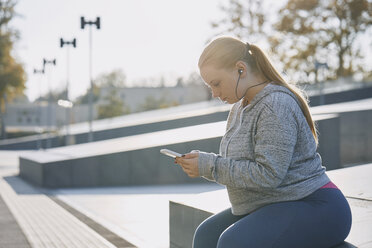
(249, 49)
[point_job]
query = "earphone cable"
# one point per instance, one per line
(237, 84)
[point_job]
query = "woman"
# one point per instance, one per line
(279, 192)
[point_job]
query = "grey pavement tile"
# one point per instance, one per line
(11, 234)
(101, 230)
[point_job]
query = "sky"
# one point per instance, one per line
(146, 39)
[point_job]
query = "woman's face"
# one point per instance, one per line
(222, 82)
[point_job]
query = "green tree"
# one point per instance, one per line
(151, 103)
(53, 96)
(106, 93)
(12, 74)
(84, 99)
(113, 106)
(115, 79)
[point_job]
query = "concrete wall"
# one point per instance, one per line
(329, 141)
(152, 127)
(59, 140)
(356, 137)
(183, 221)
(135, 97)
(136, 167)
(80, 113)
(342, 96)
(140, 166)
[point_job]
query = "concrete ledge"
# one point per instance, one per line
(355, 132)
(352, 133)
(162, 119)
(135, 160)
(132, 124)
(354, 182)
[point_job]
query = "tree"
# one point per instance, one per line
(244, 19)
(305, 32)
(180, 82)
(115, 79)
(12, 74)
(194, 78)
(311, 31)
(113, 106)
(111, 80)
(151, 103)
(84, 99)
(105, 93)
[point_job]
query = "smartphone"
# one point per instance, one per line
(170, 153)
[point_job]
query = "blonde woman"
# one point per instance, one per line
(279, 192)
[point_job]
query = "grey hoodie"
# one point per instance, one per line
(268, 153)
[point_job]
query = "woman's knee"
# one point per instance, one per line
(229, 239)
(208, 232)
(201, 230)
(203, 235)
(237, 237)
(225, 240)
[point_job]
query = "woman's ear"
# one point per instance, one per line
(241, 67)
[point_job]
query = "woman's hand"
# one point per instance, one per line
(189, 163)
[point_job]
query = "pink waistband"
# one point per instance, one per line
(329, 185)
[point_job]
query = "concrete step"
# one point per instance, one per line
(354, 182)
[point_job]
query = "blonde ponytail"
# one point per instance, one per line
(224, 52)
(266, 68)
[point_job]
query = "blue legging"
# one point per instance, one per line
(322, 219)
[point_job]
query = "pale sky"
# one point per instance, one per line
(144, 38)
(147, 39)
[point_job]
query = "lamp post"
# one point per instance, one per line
(97, 23)
(49, 112)
(321, 87)
(68, 119)
(42, 71)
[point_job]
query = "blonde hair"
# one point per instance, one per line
(225, 52)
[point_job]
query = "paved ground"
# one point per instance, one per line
(11, 234)
(126, 216)
(112, 216)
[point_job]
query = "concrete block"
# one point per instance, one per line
(355, 137)
(355, 183)
(31, 170)
(136, 160)
(56, 174)
(329, 140)
(181, 233)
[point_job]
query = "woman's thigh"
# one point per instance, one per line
(209, 231)
(321, 220)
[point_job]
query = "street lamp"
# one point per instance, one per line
(97, 23)
(68, 116)
(39, 146)
(49, 112)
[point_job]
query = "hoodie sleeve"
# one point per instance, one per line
(274, 145)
